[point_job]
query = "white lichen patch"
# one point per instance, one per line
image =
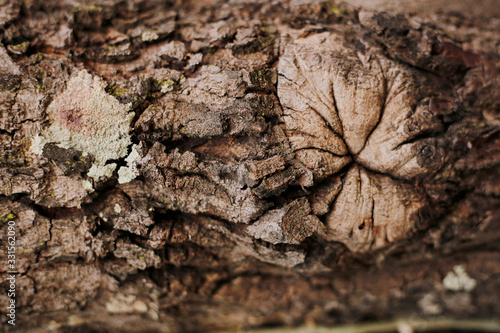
(117, 208)
(37, 144)
(429, 305)
(149, 35)
(97, 171)
(87, 186)
(125, 304)
(126, 174)
(84, 117)
(459, 280)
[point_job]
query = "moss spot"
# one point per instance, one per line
(167, 85)
(333, 8)
(20, 48)
(264, 79)
(117, 91)
(7, 217)
(12, 83)
(89, 8)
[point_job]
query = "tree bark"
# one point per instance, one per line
(206, 166)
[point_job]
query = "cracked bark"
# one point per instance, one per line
(187, 166)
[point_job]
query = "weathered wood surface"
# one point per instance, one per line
(203, 165)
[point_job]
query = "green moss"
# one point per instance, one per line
(333, 8)
(267, 41)
(89, 8)
(12, 83)
(41, 87)
(117, 91)
(36, 58)
(263, 78)
(7, 217)
(168, 85)
(21, 48)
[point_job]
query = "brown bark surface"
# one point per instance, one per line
(176, 166)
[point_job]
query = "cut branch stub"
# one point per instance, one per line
(346, 103)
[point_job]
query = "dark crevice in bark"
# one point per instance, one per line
(419, 137)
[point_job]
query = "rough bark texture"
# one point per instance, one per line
(203, 165)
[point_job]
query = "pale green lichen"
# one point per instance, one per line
(85, 118)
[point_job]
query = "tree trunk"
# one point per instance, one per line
(207, 166)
